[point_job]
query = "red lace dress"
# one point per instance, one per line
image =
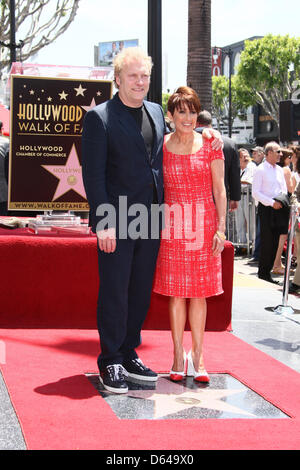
(185, 265)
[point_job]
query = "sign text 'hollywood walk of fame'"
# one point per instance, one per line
(45, 141)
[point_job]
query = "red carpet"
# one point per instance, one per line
(58, 408)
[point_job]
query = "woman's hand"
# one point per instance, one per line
(217, 245)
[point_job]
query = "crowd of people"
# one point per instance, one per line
(272, 175)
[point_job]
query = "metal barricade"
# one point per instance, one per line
(284, 307)
(241, 223)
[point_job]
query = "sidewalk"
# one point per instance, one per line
(253, 321)
(253, 318)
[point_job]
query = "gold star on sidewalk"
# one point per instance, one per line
(170, 402)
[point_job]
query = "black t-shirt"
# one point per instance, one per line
(145, 125)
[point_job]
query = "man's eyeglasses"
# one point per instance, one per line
(277, 151)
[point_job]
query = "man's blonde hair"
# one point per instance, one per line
(128, 55)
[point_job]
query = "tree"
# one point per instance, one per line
(265, 70)
(241, 99)
(199, 50)
(165, 98)
(38, 23)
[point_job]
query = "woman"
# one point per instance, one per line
(295, 156)
(189, 261)
(284, 162)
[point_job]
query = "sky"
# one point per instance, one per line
(232, 21)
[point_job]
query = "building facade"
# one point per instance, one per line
(258, 127)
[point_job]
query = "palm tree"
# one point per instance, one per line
(199, 50)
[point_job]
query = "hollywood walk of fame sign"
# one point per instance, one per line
(45, 148)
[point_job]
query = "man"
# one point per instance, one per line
(110, 55)
(4, 151)
(122, 154)
(268, 184)
(258, 155)
(232, 163)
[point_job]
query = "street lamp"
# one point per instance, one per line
(155, 49)
(228, 52)
(12, 44)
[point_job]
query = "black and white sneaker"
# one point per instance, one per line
(135, 369)
(112, 379)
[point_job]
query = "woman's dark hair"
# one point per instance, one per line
(285, 154)
(184, 96)
(298, 165)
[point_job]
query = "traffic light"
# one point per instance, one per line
(289, 120)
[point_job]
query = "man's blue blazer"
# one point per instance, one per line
(115, 161)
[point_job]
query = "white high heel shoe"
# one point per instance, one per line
(176, 375)
(201, 376)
